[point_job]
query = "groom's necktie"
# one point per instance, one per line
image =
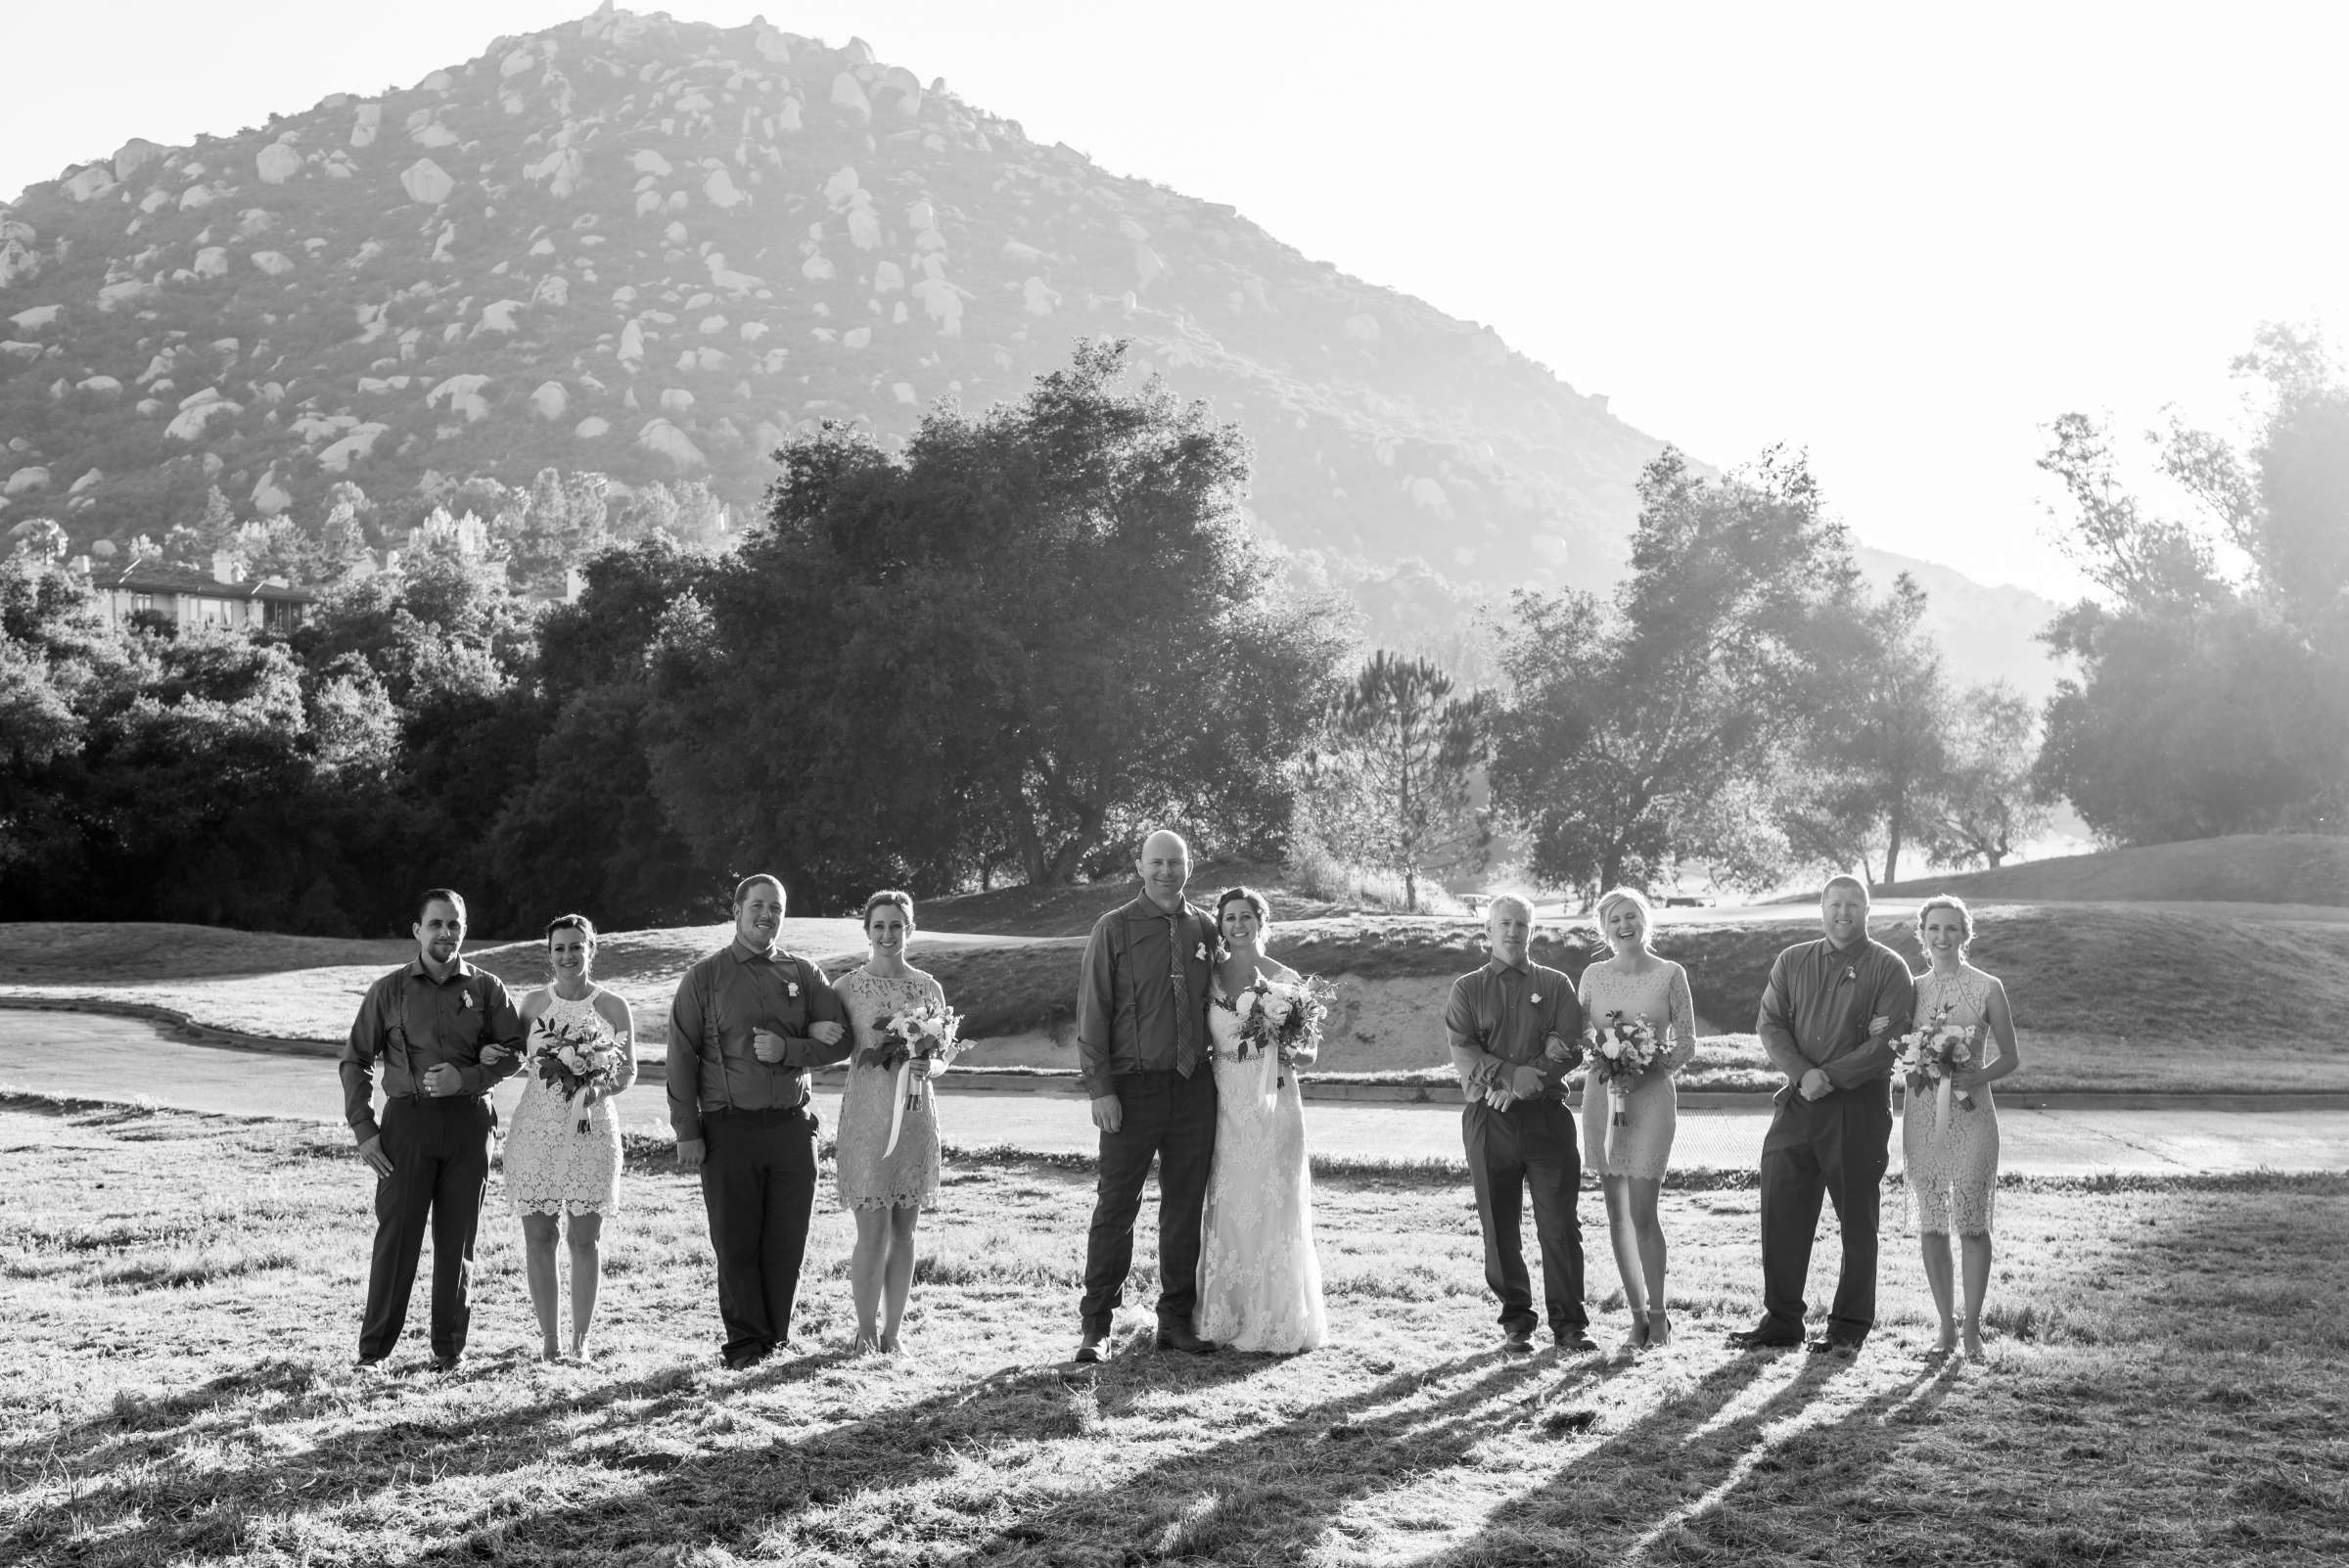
(1187, 1021)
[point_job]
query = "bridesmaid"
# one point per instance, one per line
(554, 1172)
(1952, 1172)
(1631, 1160)
(886, 1193)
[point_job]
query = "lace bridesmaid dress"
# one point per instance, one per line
(1661, 997)
(552, 1167)
(867, 1178)
(1953, 1174)
(1260, 1282)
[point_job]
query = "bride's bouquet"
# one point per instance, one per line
(571, 1061)
(1933, 1055)
(1283, 1017)
(932, 1032)
(1620, 1050)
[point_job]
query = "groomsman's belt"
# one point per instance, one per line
(427, 1097)
(749, 1112)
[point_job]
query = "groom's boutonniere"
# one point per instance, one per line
(1851, 973)
(465, 999)
(1201, 953)
(791, 989)
(1535, 998)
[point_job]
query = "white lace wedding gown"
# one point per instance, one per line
(1260, 1282)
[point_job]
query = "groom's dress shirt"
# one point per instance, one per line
(1504, 1013)
(415, 1022)
(722, 1000)
(1817, 1004)
(1127, 998)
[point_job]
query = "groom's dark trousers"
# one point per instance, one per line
(1836, 1146)
(440, 1153)
(1172, 1119)
(1528, 1147)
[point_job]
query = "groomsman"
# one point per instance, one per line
(427, 1023)
(1515, 1029)
(1826, 1022)
(748, 1023)
(1141, 1052)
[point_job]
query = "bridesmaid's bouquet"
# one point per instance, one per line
(1283, 1018)
(571, 1061)
(1932, 1055)
(932, 1032)
(1619, 1052)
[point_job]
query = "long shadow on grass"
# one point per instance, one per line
(1682, 1470)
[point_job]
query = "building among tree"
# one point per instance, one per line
(188, 599)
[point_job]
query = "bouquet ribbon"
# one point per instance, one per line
(896, 1114)
(1941, 1095)
(582, 1111)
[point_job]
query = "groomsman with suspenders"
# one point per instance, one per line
(427, 1022)
(749, 1021)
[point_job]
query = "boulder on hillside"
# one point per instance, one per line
(848, 96)
(462, 395)
(210, 262)
(353, 448)
(25, 480)
(721, 191)
(277, 163)
(90, 181)
(365, 122)
(427, 182)
(591, 428)
(664, 438)
(269, 498)
(550, 401)
(38, 318)
(274, 262)
(134, 155)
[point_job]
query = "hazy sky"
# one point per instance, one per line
(1904, 240)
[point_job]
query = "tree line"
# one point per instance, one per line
(995, 655)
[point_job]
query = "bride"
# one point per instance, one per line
(1260, 1283)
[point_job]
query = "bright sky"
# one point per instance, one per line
(1903, 240)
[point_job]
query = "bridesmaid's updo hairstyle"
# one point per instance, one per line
(1637, 900)
(572, 922)
(889, 895)
(1956, 906)
(1253, 900)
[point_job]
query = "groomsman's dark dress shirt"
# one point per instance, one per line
(439, 1144)
(1492, 1012)
(1816, 1008)
(415, 1022)
(1126, 997)
(722, 999)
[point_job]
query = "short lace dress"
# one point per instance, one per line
(1953, 1173)
(552, 1167)
(867, 1178)
(1661, 997)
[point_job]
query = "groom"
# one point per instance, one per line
(1141, 1049)
(1826, 1021)
(1515, 1030)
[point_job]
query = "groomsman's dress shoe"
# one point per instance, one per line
(1835, 1345)
(751, 1356)
(1575, 1342)
(367, 1363)
(1178, 1337)
(1517, 1341)
(1088, 1349)
(1765, 1337)
(446, 1363)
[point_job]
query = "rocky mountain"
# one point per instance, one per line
(651, 249)
(1985, 633)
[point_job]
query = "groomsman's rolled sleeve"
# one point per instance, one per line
(358, 1064)
(1096, 1014)
(1776, 1023)
(686, 1020)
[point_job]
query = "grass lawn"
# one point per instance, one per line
(2168, 1384)
(2303, 868)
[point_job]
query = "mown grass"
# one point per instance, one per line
(2298, 868)
(2167, 1385)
